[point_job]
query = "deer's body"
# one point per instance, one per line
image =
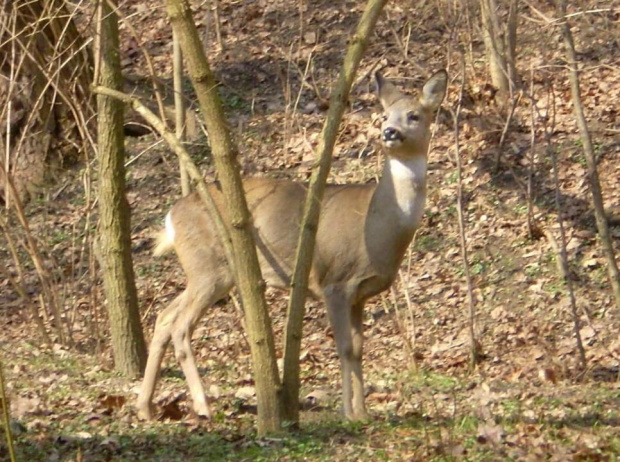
(363, 233)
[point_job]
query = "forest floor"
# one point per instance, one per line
(527, 400)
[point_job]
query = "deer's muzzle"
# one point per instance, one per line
(392, 134)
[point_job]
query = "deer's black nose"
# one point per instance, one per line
(391, 134)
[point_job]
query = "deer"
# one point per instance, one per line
(363, 234)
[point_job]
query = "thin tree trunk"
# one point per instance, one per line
(474, 348)
(511, 43)
(6, 418)
(312, 207)
(247, 270)
(586, 140)
(179, 108)
(494, 45)
(114, 228)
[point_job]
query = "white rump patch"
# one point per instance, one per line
(169, 227)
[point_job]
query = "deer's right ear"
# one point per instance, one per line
(386, 91)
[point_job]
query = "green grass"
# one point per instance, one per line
(426, 243)
(431, 434)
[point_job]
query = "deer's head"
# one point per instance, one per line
(405, 130)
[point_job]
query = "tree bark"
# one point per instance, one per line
(586, 140)
(494, 45)
(312, 208)
(500, 45)
(247, 270)
(179, 108)
(114, 229)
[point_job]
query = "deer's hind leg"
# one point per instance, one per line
(161, 338)
(199, 298)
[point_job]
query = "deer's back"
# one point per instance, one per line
(277, 211)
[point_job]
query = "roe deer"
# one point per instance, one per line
(363, 233)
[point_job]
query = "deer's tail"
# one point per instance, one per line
(164, 240)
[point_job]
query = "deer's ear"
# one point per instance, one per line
(386, 91)
(434, 90)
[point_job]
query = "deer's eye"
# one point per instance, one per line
(383, 117)
(413, 117)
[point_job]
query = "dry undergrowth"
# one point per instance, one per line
(526, 401)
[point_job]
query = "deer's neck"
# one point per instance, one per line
(406, 179)
(395, 212)
(401, 193)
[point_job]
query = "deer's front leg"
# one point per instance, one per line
(339, 311)
(357, 337)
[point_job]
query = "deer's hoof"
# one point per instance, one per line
(145, 411)
(202, 410)
(360, 416)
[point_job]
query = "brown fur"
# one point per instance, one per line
(363, 233)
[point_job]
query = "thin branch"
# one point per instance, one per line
(473, 343)
(561, 248)
(177, 146)
(179, 107)
(588, 149)
(33, 250)
(5, 416)
(312, 206)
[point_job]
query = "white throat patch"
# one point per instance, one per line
(411, 170)
(409, 178)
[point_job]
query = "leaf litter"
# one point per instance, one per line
(526, 401)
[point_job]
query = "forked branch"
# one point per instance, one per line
(177, 146)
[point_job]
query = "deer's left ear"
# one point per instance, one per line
(386, 91)
(434, 90)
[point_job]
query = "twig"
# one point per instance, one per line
(5, 415)
(500, 146)
(532, 155)
(179, 107)
(215, 9)
(473, 343)
(562, 254)
(33, 250)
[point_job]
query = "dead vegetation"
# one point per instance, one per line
(528, 398)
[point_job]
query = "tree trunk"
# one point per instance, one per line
(312, 208)
(586, 139)
(500, 45)
(246, 268)
(114, 228)
(179, 108)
